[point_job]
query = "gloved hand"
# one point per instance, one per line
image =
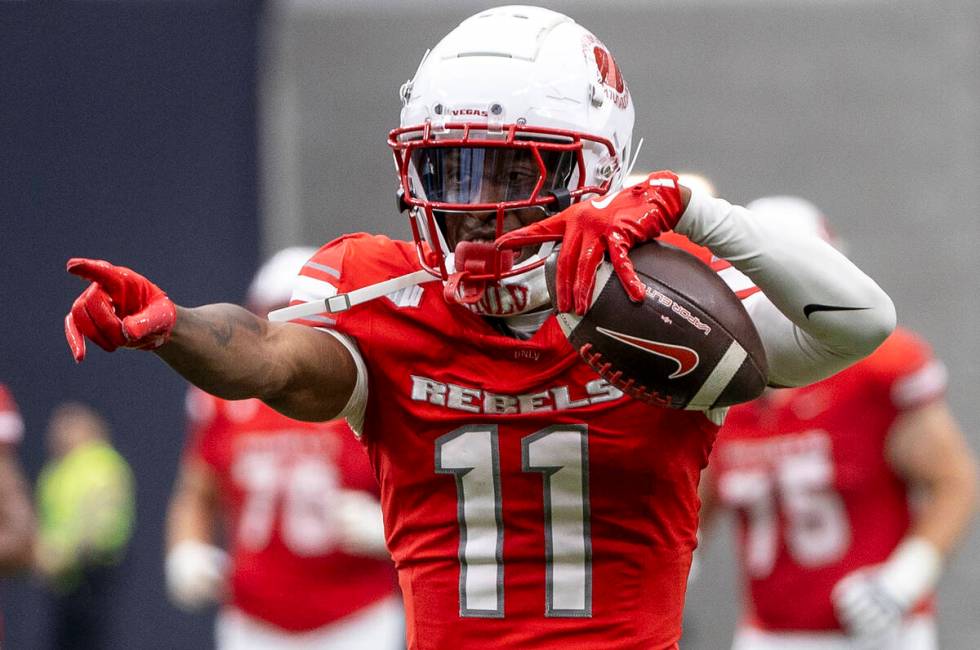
(120, 308)
(615, 223)
(871, 602)
(866, 608)
(196, 574)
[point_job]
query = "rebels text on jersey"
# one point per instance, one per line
(806, 472)
(279, 481)
(527, 502)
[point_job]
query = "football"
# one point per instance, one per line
(689, 344)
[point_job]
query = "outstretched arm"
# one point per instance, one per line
(229, 352)
(224, 349)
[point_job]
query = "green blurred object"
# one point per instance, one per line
(86, 512)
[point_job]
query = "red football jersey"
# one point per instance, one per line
(805, 471)
(11, 424)
(278, 480)
(528, 503)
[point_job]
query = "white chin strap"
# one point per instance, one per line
(344, 301)
(511, 296)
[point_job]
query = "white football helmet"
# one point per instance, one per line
(513, 116)
(799, 214)
(273, 283)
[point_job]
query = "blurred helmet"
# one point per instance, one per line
(697, 183)
(515, 114)
(272, 285)
(799, 214)
(690, 180)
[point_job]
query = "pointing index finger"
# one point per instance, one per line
(550, 229)
(99, 271)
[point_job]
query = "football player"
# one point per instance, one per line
(16, 515)
(527, 502)
(300, 503)
(832, 555)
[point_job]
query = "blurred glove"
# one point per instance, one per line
(866, 609)
(871, 602)
(361, 525)
(120, 308)
(196, 574)
(615, 223)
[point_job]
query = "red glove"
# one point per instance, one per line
(120, 308)
(615, 223)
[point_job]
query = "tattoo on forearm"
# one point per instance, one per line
(221, 332)
(213, 347)
(222, 328)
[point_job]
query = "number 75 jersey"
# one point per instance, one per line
(806, 471)
(527, 502)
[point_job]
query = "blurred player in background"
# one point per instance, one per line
(297, 502)
(85, 505)
(528, 502)
(693, 181)
(16, 514)
(832, 555)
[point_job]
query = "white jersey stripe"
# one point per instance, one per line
(329, 270)
(718, 380)
(735, 279)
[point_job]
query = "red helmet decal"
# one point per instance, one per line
(608, 70)
(686, 358)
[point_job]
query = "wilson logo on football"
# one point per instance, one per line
(686, 358)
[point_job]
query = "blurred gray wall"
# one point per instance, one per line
(870, 109)
(127, 133)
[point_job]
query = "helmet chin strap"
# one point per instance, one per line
(474, 258)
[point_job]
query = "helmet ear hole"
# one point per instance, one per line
(400, 203)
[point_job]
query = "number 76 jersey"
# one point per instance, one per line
(527, 502)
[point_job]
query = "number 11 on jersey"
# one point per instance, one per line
(560, 453)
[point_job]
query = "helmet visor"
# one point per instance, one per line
(463, 176)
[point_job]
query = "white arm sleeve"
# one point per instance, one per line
(819, 312)
(308, 289)
(356, 405)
